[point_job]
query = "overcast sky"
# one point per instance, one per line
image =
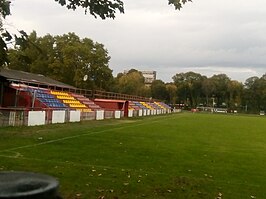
(206, 36)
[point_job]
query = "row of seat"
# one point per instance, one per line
(44, 95)
(77, 106)
(135, 105)
(153, 105)
(141, 106)
(147, 105)
(55, 105)
(52, 98)
(62, 99)
(71, 102)
(163, 105)
(49, 100)
(87, 102)
(59, 93)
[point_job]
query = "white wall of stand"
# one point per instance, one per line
(58, 117)
(117, 114)
(144, 112)
(100, 115)
(36, 118)
(74, 116)
(39, 117)
(130, 113)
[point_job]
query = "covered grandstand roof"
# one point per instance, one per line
(26, 77)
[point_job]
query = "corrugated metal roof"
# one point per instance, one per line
(21, 76)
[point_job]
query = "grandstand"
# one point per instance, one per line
(33, 99)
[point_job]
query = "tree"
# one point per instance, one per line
(131, 83)
(235, 90)
(182, 89)
(158, 90)
(208, 88)
(251, 94)
(189, 87)
(107, 8)
(5, 36)
(99, 72)
(172, 93)
(221, 94)
(263, 92)
(102, 8)
(255, 94)
(35, 57)
(66, 58)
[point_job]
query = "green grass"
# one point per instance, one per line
(174, 156)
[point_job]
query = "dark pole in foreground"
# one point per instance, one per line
(26, 185)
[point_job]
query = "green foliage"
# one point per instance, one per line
(172, 93)
(235, 90)
(178, 3)
(131, 83)
(4, 8)
(158, 90)
(255, 94)
(208, 88)
(3, 52)
(5, 37)
(66, 58)
(188, 87)
(102, 8)
(221, 82)
(194, 89)
(107, 8)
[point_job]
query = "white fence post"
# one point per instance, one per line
(36, 118)
(130, 113)
(144, 112)
(140, 112)
(58, 117)
(117, 114)
(74, 116)
(12, 118)
(100, 115)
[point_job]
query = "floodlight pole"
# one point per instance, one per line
(213, 104)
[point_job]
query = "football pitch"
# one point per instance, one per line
(169, 156)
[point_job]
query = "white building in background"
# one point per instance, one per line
(149, 76)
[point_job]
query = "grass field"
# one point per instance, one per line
(172, 156)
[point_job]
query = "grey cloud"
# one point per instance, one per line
(207, 36)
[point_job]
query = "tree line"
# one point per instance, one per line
(84, 63)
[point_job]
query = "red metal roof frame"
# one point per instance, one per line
(108, 100)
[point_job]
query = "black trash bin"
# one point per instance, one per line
(27, 185)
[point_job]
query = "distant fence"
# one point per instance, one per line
(23, 117)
